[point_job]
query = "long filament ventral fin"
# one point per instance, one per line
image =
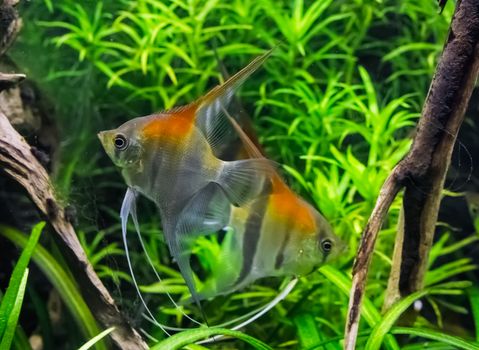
(150, 262)
(129, 208)
(128, 201)
(260, 312)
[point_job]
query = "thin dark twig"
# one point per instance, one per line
(388, 192)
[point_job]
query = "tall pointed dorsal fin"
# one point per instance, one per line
(239, 113)
(250, 147)
(277, 181)
(234, 82)
(209, 107)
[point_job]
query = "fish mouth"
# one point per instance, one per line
(101, 136)
(104, 137)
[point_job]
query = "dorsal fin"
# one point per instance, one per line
(253, 151)
(209, 107)
(234, 82)
(250, 147)
(179, 109)
(233, 151)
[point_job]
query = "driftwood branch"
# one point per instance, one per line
(8, 81)
(10, 24)
(430, 156)
(388, 192)
(422, 172)
(17, 160)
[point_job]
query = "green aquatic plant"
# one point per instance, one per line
(335, 105)
(185, 338)
(99, 253)
(11, 302)
(89, 344)
(59, 276)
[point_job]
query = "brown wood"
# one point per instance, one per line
(10, 80)
(422, 172)
(17, 160)
(10, 24)
(426, 164)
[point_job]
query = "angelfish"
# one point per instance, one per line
(170, 156)
(276, 234)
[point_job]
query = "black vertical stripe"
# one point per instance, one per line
(251, 237)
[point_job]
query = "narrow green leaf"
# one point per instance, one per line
(20, 340)
(428, 345)
(62, 281)
(307, 332)
(369, 312)
(96, 339)
(474, 299)
(18, 275)
(182, 339)
(49, 5)
(456, 342)
(384, 326)
(195, 347)
(410, 47)
(14, 313)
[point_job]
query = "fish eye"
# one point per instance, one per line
(121, 143)
(326, 245)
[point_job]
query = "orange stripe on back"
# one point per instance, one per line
(286, 206)
(171, 125)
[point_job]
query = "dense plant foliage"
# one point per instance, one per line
(335, 105)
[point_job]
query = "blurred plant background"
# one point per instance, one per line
(335, 104)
